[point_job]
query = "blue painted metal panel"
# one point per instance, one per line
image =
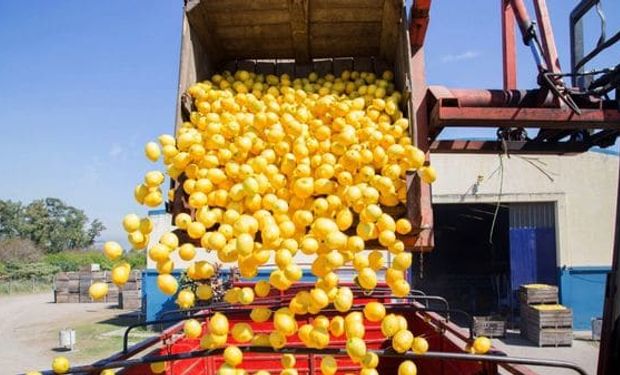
(532, 256)
(155, 302)
(583, 290)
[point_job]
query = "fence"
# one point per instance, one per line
(9, 285)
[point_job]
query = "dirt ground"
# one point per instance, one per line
(29, 327)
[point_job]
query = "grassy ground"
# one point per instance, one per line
(101, 339)
(15, 287)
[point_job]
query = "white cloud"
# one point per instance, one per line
(115, 151)
(467, 55)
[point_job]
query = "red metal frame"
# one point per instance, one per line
(547, 39)
(509, 59)
(419, 23)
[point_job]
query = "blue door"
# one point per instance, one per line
(532, 239)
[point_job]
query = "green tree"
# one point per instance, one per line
(11, 219)
(49, 223)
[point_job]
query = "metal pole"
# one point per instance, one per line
(609, 352)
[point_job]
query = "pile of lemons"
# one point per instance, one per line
(270, 167)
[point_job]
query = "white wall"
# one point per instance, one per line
(583, 186)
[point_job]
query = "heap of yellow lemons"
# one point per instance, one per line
(272, 167)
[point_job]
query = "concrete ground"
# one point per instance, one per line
(583, 352)
(29, 327)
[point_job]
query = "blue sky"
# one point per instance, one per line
(84, 84)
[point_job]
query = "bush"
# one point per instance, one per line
(37, 270)
(16, 250)
(73, 260)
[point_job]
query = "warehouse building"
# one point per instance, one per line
(500, 223)
(554, 224)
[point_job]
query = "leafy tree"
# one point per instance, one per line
(11, 219)
(49, 223)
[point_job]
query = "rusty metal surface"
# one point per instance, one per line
(509, 58)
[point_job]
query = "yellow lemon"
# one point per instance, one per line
(370, 360)
(356, 348)
(288, 361)
(427, 174)
(407, 368)
(186, 299)
(329, 366)
(403, 226)
(481, 345)
(187, 252)
(390, 325)
(192, 328)
(167, 284)
(131, 223)
(402, 341)
(277, 340)
(367, 278)
(170, 240)
(262, 288)
(98, 290)
(120, 274)
(420, 345)
(218, 324)
(60, 365)
(112, 250)
(152, 151)
(374, 311)
(233, 356)
(402, 261)
(158, 367)
(242, 332)
(204, 292)
(246, 296)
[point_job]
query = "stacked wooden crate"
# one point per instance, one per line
(543, 320)
(130, 297)
(72, 287)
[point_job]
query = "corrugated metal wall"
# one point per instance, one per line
(532, 215)
(532, 244)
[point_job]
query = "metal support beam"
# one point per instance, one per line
(508, 46)
(550, 118)
(609, 352)
(423, 215)
(512, 147)
(547, 39)
(418, 23)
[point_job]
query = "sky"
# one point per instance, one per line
(85, 84)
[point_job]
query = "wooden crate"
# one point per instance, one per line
(538, 316)
(74, 298)
(490, 326)
(538, 293)
(61, 297)
(61, 285)
(74, 286)
(130, 299)
(550, 336)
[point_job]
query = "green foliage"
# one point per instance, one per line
(49, 223)
(36, 270)
(137, 259)
(72, 260)
(2, 269)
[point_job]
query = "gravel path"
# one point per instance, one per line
(29, 326)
